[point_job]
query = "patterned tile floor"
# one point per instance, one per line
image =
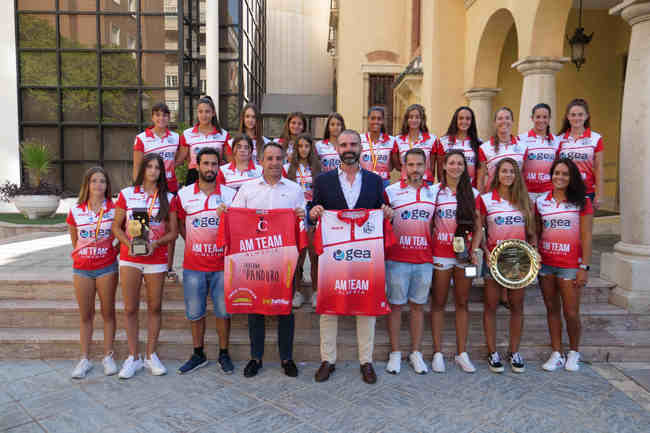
(39, 396)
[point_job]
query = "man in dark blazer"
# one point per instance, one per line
(348, 187)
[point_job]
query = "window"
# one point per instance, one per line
(130, 44)
(115, 35)
(132, 5)
(171, 80)
(204, 87)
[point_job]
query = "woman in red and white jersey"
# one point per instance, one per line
(461, 134)
(506, 211)
(94, 264)
(564, 219)
(149, 196)
(250, 123)
(455, 215)
(326, 148)
(541, 151)
(206, 133)
(584, 147)
(294, 125)
(502, 145)
(242, 168)
(377, 146)
(415, 134)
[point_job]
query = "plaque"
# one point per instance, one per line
(514, 263)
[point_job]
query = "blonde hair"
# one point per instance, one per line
(518, 193)
(84, 192)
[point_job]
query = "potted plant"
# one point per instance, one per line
(42, 199)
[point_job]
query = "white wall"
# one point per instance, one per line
(9, 159)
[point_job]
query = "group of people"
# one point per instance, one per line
(537, 187)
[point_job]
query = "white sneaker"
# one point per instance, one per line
(438, 363)
(416, 361)
(572, 361)
(394, 362)
(82, 369)
(554, 361)
(314, 298)
(129, 367)
(154, 365)
(110, 368)
(298, 300)
(464, 363)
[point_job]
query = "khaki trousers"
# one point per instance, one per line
(365, 337)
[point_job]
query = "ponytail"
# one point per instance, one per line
(215, 120)
(547, 108)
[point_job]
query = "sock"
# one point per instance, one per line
(199, 351)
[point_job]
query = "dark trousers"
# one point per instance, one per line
(256, 333)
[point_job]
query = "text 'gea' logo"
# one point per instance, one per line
(352, 255)
(205, 222)
(557, 223)
(509, 220)
(576, 156)
(446, 213)
(541, 157)
(415, 214)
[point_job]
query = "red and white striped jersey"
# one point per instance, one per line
(165, 146)
(303, 178)
(94, 249)
(233, 178)
(196, 141)
(447, 143)
(583, 152)
(504, 221)
(329, 157)
(445, 220)
(425, 141)
(541, 151)
(488, 154)
(375, 157)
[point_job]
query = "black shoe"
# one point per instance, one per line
(226, 363)
(193, 363)
(252, 368)
(290, 368)
(494, 363)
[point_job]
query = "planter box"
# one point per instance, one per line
(37, 206)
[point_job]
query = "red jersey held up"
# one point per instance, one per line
(94, 248)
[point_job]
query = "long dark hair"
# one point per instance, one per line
(381, 110)
(161, 183)
(237, 139)
(576, 190)
(495, 138)
(286, 132)
(215, 120)
(466, 208)
(337, 116)
(84, 192)
(259, 141)
(405, 121)
(578, 102)
(312, 158)
(548, 108)
(472, 132)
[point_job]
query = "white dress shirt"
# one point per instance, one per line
(351, 191)
(258, 194)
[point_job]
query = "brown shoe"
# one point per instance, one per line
(324, 371)
(368, 373)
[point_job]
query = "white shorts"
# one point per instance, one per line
(445, 263)
(144, 267)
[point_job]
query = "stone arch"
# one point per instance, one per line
(549, 28)
(382, 56)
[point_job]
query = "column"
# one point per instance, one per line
(212, 51)
(629, 265)
(10, 161)
(538, 86)
(480, 100)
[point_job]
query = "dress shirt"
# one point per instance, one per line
(352, 191)
(258, 194)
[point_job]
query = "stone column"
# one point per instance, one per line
(629, 265)
(480, 100)
(212, 51)
(538, 86)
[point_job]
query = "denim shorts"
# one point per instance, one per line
(197, 285)
(97, 273)
(563, 273)
(408, 282)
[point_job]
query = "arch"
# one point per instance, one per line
(549, 28)
(382, 56)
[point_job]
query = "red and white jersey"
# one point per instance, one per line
(134, 197)
(329, 157)
(583, 152)
(488, 155)
(445, 220)
(560, 241)
(375, 156)
(289, 150)
(303, 178)
(196, 141)
(504, 221)
(199, 214)
(351, 267)
(541, 151)
(447, 143)
(230, 176)
(414, 210)
(425, 141)
(228, 147)
(94, 249)
(165, 146)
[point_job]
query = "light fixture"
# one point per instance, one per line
(579, 42)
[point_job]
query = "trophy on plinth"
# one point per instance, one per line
(138, 230)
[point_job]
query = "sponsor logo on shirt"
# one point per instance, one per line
(557, 223)
(352, 255)
(509, 220)
(415, 214)
(541, 157)
(205, 222)
(446, 213)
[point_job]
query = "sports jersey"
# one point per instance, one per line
(329, 157)
(165, 146)
(445, 220)
(289, 149)
(196, 141)
(375, 157)
(412, 222)
(583, 152)
(503, 220)
(230, 176)
(488, 155)
(540, 153)
(447, 143)
(199, 214)
(351, 268)
(425, 141)
(134, 197)
(228, 147)
(94, 249)
(261, 255)
(560, 240)
(303, 178)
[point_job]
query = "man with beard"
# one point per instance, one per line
(199, 207)
(348, 187)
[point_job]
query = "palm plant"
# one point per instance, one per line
(37, 158)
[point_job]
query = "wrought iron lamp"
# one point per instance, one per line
(579, 42)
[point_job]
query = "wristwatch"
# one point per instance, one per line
(584, 267)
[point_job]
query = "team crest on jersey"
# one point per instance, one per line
(406, 215)
(366, 157)
(368, 228)
(262, 225)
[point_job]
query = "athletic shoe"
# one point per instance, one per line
(314, 297)
(438, 363)
(110, 368)
(572, 361)
(464, 363)
(195, 362)
(298, 300)
(394, 362)
(226, 363)
(416, 361)
(517, 362)
(154, 365)
(129, 367)
(494, 363)
(252, 368)
(82, 369)
(556, 360)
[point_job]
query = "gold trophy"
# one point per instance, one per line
(514, 263)
(138, 230)
(461, 244)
